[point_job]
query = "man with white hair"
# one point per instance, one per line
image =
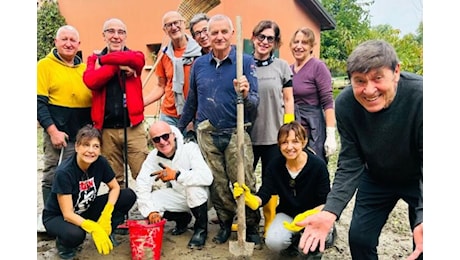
(211, 103)
(63, 101)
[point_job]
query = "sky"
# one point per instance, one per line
(400, 14)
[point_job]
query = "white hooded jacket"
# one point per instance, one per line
(187, 159)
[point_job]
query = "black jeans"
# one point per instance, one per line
(374, 203)
(71, 235)
(265, 153)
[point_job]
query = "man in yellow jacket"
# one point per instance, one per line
(63, 101)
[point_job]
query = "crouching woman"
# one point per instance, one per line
(301, 180)
(74, 207)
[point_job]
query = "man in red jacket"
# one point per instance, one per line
(114, 77)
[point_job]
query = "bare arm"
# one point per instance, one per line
(66, 205)
(157, 92)
(114, 191)
(288, 98)
(330, 117)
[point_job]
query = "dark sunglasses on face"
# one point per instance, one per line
(165, 137)
(262, 37)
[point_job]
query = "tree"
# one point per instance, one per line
(408, 47)
(353, 24)
(49, 19)
(353, 27)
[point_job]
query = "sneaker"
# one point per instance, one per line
(113, 240)
(289, 252)
(312, 256)
(121, 229)
(65, 252)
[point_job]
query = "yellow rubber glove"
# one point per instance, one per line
(292, 226)
(105, 220)
(288, 118)
(249, 199)
(100, 238)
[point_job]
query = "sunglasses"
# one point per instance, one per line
(165, 137)
(262, 37)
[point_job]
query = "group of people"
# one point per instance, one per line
(92, 116)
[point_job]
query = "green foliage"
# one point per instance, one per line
(353, 22)
(49, 19)
(353, 27)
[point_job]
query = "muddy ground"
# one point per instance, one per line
(395, 241)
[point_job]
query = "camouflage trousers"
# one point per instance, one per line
(219, 148)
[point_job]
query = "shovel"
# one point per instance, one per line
(240, 248)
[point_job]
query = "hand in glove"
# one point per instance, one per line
(154, 217)
(167, 174)
(330, 145)
(101, 239)
(250, 200)
(105, 220)
(292, 226)
(288, 118)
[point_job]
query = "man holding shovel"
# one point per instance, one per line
(212, 98)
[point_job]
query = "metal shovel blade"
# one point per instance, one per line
(241, 248)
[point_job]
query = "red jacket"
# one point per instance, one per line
(96, 79)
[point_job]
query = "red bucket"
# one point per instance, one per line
(145, 239)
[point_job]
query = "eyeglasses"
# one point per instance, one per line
(262, 37)
(176, 23)
(165, 137)
(113, 31)
(197, 34)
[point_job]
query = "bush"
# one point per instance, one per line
(49, 19)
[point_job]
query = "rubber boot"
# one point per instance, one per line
(269, 211)
(181, 218)
(224, 232)
(46, 192)
(200, 232)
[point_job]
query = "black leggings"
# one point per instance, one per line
(70, 235)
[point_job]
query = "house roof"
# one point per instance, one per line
(315, 8)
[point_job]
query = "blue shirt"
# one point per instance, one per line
(212, 95)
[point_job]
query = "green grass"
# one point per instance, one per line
(338, 83)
